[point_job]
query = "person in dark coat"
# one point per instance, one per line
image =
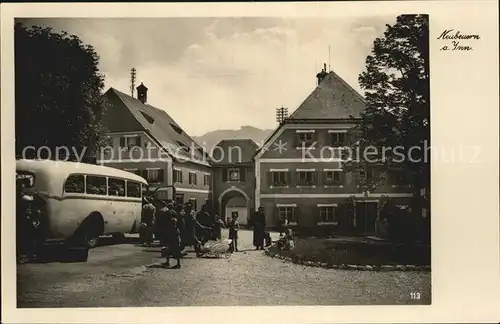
(194, 231)
(181, 224)
(259, 228)
(203, 216)
(147, 222)
(162, 218)
(188, 233)
(173, 239)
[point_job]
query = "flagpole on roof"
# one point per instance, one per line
(328, 58)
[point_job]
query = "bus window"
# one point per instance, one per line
(96, 185)
(25, 179)
(75, 184)
(133, 189)
(116, 187)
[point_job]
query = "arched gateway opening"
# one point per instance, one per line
(232, 202)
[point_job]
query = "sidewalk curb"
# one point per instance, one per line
(351, 267)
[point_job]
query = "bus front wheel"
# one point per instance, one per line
(89, 231)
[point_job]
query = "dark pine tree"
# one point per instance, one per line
(58, 92)
(396, 84)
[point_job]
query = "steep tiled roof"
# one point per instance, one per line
(234, 151)
(333, 98)
(161, 127)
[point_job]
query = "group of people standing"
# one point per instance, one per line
(180, 227)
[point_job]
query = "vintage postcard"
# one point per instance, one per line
(276, 161)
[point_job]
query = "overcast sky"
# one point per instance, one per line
(224, 73)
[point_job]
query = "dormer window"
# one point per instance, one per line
(176, 128)
(184, 146)
(148, 118)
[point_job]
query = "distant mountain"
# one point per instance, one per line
(210, 139)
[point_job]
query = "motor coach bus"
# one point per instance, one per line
(81, 202)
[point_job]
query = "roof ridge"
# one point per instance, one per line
(125, 104)
(303, 101)
(348, 86)
(136, 107)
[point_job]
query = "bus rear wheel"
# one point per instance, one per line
(92, 242)
(119, 237)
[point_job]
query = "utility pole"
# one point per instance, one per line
(132, 81)
(281, 114)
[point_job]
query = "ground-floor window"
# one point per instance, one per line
(327, 213)
(286, 212)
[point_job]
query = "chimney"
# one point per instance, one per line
(321, 75)
(142, 93)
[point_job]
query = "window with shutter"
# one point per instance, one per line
(242, 174)
(224, 175)
(332, 177)
(307, 178)
(338, 139)
(154, 175)
(122, 142)
(269, 179)
(138, 141)
(313, 138)
(161, 175)
(296, 141)
(327, 214)
(177, 176)
(144, 174)
(280, 178)
(287, 213)
(193, 178)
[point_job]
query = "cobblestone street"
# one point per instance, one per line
(127, 275)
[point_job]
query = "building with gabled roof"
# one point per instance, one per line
(299, 171)
(234, 178)
(147, 141)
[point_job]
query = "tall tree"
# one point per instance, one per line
(58, 91)
(396, 120)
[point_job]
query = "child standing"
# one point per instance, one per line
(234, 227)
